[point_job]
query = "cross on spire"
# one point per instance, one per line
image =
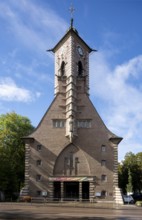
(71, 9)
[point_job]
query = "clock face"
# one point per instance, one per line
(80, 50)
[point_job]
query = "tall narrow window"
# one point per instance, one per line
(63, 68)
(76, 165)
(80, 69)
(66, 165)
(71, 162)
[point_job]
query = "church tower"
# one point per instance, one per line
(71, 154)
(71, 77)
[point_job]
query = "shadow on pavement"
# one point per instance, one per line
(29, 216)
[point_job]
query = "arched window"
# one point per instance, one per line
(80, 69)
(63, 68)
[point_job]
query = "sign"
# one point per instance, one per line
(97, 194)
(44, 193)
(63, 179)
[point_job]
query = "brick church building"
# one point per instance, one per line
(72, 155)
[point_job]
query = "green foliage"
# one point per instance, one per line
(139, 203)
(12, 151)
(131, 170)
(129, 186)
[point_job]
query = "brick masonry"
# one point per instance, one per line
(70, 150)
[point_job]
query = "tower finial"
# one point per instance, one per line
(71, 9)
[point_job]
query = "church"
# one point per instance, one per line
(72, 155)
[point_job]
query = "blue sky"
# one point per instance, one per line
(29, 27)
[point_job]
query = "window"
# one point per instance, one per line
(63, 68)
(76, 165)
(84, 123)
(103, 148)
(103, 163)
(38, 177)
(104, 178)
(38, 193)
(80, 69)
(58, 123)
(39, 146)
(71, 165)
(77, 160)
(103, 193)
(38, 163)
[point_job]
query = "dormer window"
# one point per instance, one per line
(63, 68)
(80, 69)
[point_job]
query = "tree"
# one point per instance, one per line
(132, 163)
(139, 162)
(129, 186)
(12, 151)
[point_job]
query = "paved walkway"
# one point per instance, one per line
(70, 204)
(67, 211)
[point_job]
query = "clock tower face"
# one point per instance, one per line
(80, 50)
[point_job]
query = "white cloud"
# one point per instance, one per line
(38, 31)
(9, 91)
(38, 94)
(27, 57)
(120, 91)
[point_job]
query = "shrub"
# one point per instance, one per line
(139, 203)
(25, 199)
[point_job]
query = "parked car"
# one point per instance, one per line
(128, 199)
(2, 196)
(137, 197)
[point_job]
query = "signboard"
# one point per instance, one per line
(97, 194)
(44, 193)
(63, 179)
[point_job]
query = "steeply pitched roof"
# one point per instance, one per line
(71, 30)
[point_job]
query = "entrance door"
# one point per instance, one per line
(85, 190)
(71, 190)
(57, 190)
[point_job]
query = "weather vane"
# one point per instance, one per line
(71, 9)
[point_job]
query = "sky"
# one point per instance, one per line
(29, 27)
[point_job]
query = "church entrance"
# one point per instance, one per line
(85, 191)
(71, 190)
(57, 191)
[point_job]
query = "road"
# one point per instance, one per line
(46, 212)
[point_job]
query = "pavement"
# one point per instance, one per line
(106, 205)
(68, 211)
